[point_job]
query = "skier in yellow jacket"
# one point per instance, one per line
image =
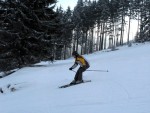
(83, 66)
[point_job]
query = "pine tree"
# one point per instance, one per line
(27, 31)
(77, 22)
(142, 8)
(145, 33)
(67, 28)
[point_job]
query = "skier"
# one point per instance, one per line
(83, 66)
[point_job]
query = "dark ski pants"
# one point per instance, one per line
(78, 75)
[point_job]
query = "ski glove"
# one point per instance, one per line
(70, 68)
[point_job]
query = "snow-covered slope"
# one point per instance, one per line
(124, 89)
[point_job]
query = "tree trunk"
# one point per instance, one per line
(65, 51)
(101, 37)
(97, 41)
(91, 41)
(129, 28)
(122, 29)
(86, 42)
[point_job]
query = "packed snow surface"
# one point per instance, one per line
(124, 89)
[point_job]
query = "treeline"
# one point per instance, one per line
(32, 31)
(99, 24)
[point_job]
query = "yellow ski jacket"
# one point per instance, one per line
(81, 61)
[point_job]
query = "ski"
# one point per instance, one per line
(68, 85)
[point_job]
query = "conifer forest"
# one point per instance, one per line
(36, 30)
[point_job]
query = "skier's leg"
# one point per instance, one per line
(78, 76)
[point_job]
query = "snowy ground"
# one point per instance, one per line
(124, 89)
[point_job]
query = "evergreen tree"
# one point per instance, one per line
(144, 10)
(27, 31)
(77, 22)
(66, 28)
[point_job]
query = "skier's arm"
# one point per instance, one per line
(74, 65)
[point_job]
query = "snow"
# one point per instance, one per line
(124, 89)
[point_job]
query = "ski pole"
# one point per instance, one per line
(94, 70)
(98, 70)
(73, 71)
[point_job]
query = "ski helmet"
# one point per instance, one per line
(74, 53)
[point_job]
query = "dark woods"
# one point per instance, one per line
(32, 30)
(27, 33)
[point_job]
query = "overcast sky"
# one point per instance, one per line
(66, 3)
